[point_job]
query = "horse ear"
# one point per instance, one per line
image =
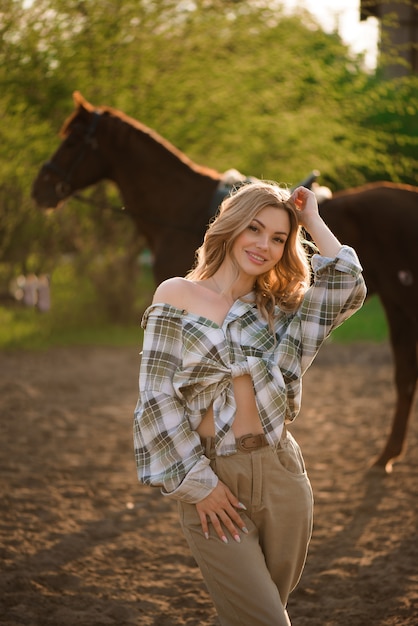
(81, 102)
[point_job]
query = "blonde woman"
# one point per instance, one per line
(224, 352)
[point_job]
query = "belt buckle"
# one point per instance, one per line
(243, 446)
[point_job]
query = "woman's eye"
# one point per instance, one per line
(253, 228)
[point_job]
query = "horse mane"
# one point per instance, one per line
(81, 103)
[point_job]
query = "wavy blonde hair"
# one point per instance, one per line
(283, 285)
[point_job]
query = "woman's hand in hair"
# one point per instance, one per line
(307, 205)
(309, 217)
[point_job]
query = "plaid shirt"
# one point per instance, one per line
(188, 363)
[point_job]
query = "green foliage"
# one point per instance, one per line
(76, 317)
(232, 84)
(389, 118)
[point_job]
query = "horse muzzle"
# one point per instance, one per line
(48, 189)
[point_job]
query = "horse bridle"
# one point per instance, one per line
(64, 187)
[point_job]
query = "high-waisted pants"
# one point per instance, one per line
(249, 582)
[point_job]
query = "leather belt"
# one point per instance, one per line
(246, 443)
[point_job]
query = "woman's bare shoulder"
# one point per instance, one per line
(174, 291)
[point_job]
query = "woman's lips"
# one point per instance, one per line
(256, 258)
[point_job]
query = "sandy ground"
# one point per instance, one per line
(82, 543)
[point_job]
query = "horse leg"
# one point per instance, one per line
(403, 339)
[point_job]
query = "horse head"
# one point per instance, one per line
(77, 163)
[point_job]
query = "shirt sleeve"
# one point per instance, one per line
(168, 452)
(338, 291)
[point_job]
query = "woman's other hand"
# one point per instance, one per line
(219, 508)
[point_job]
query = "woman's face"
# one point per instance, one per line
(261, 245)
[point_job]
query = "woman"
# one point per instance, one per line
(224, 352)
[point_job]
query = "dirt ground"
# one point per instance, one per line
(83, 544)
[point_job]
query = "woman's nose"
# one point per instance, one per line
(262, 243)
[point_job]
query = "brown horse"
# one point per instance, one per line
(164, 192)
(171, 200)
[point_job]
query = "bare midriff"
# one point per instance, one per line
(247, 420)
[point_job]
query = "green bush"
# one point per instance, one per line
(75, 317)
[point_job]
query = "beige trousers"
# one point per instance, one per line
(250, 582)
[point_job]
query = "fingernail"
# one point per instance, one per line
(206, 535)
(244, 530)
(237, 538)
(224, 539)
(242, 506)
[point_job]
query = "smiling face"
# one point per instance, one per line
(261, 245)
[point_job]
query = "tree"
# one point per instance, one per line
(231, 83)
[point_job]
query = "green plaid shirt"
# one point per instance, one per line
(188, 364)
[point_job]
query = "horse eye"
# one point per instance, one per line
(72, 140)
(75, 132)
(75, 127)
